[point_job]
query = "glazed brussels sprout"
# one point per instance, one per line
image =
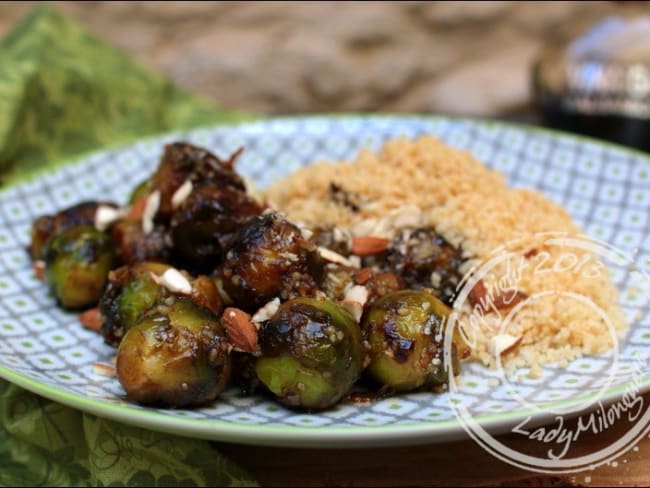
(268, 258)
(133, 290)
(49, 226)
(175, 356)
(77, 263)
(312, 353)
(424, 259)
(212, 170)
(181, 162)
(204, 223)
(405, 331)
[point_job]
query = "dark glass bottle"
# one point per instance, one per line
(597, 82)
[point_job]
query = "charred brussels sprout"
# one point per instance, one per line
(130, 293)
(77, 263)
(312, 353)
(181, 162)
(204, 223)
(175, 356)
(133, 290)
(405, 331)
(49, 226)
(424, 259)
(268, 258)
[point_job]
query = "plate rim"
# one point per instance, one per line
(325, 436)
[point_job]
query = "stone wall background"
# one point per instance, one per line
(287, 57)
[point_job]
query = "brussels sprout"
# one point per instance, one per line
(175, 356)
(268, 258)
(204, 223)
(424, 259)
(182, 161)
(41, 232)
(405, 331)
(312, 353)
(132, 291)
(49, 226)
(77, 263)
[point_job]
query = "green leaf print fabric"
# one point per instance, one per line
(43, 443)
(63, 92)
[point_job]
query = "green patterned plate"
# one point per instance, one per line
(604, 187)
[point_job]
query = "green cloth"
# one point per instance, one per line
(63, 92)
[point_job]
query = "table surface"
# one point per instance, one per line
(451, 464)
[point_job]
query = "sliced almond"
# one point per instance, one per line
(501, 299)
(104, 369)
(241, 331)
(507, 299)
(206, 294)
(39, 269)
(267, 311)
(174, 281)
(340, 235)
(357, 293)
(502, 343)
(334, 257)
(355, 309)
(91, 319)
(105, 216)
(355, 299)
(373, 227)
(363, 227)
(182, 193)
(150, 210)
(368, 245)
(405, 216)
(478, 293)
(306, 233)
